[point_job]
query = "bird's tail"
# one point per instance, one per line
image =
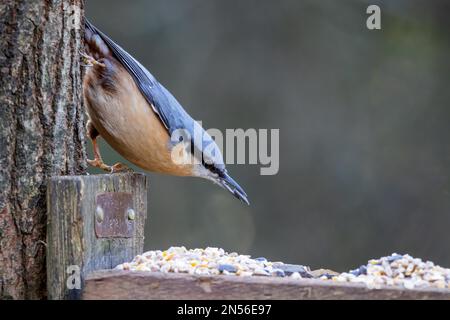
(225, 181)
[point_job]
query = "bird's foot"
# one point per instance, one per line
(89, 61)
(116, 168)
(120, 167)
(98, 163)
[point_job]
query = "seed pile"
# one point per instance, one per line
(394, 270)
(398, 270)
(211, 261)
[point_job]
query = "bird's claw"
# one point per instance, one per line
(116, 168)
(98, 163)
(90, 61)
(120, 167)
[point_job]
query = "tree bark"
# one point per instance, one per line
(41, 130)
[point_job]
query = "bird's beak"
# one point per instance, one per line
(226, 182)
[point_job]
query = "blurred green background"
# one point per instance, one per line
(364, 121)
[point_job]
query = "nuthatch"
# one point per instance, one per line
(137, 116)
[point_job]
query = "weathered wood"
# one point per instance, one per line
(116, 284)
(71, 236)
(41, 130)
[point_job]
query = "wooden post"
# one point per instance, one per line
(94, 222)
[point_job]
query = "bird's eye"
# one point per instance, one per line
(180, 138)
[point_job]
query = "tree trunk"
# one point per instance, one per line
(41, 130)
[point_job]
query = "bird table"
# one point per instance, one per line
(96, 222)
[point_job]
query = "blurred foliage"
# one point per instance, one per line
(363, 118)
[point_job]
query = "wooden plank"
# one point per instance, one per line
(118, 284)
(71, 238)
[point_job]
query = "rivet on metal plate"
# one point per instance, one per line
(99, 214)
(114, 215)
(131, 214)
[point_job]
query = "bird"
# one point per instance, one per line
(140, 119)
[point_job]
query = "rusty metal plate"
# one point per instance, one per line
(114, 215)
